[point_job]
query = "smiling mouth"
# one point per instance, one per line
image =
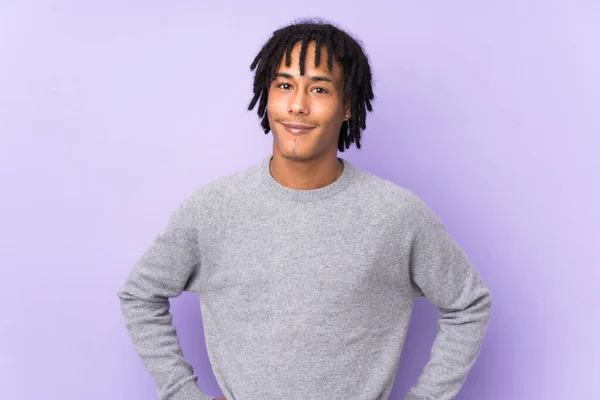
(298, 129)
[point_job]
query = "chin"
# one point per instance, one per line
(294, 152)
(296, 156)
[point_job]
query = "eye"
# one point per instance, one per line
(281, 86)
(321, 90)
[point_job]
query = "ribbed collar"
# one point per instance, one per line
(285, 193)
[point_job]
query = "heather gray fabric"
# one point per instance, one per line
(305, 294)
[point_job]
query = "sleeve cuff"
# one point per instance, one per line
(190, 391)
(416, 394)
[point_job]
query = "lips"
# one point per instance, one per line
(298, 129)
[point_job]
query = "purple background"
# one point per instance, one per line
(111, 112)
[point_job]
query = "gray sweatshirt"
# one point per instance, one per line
(305, 294)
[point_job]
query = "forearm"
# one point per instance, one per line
(454, 351)
(161, 273)
(441, 271)
(155, 340)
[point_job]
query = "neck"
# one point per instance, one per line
(306, 175)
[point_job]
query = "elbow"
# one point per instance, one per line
(123, 293)
(489, 304)
(127, 293)
(479, 310)
(482, 306)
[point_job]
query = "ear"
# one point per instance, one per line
(347, 106)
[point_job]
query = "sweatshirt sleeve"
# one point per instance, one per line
(441, 272)
(162, 272)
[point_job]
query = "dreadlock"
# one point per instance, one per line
(346, 50)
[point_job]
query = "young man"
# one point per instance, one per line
(305, 266)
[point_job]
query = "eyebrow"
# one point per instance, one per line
(316, 78)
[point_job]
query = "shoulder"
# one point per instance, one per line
(220, 192)
(399, 202)
(386, 192)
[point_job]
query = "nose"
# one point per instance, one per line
(298, 103)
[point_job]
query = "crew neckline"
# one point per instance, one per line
(283, 192)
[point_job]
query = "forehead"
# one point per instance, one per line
(309, 61)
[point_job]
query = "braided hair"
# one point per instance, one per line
(347, 51)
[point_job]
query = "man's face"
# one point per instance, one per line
(306, 111)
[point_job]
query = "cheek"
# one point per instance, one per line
(272, 112)
(275, 102)
(328, 113)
